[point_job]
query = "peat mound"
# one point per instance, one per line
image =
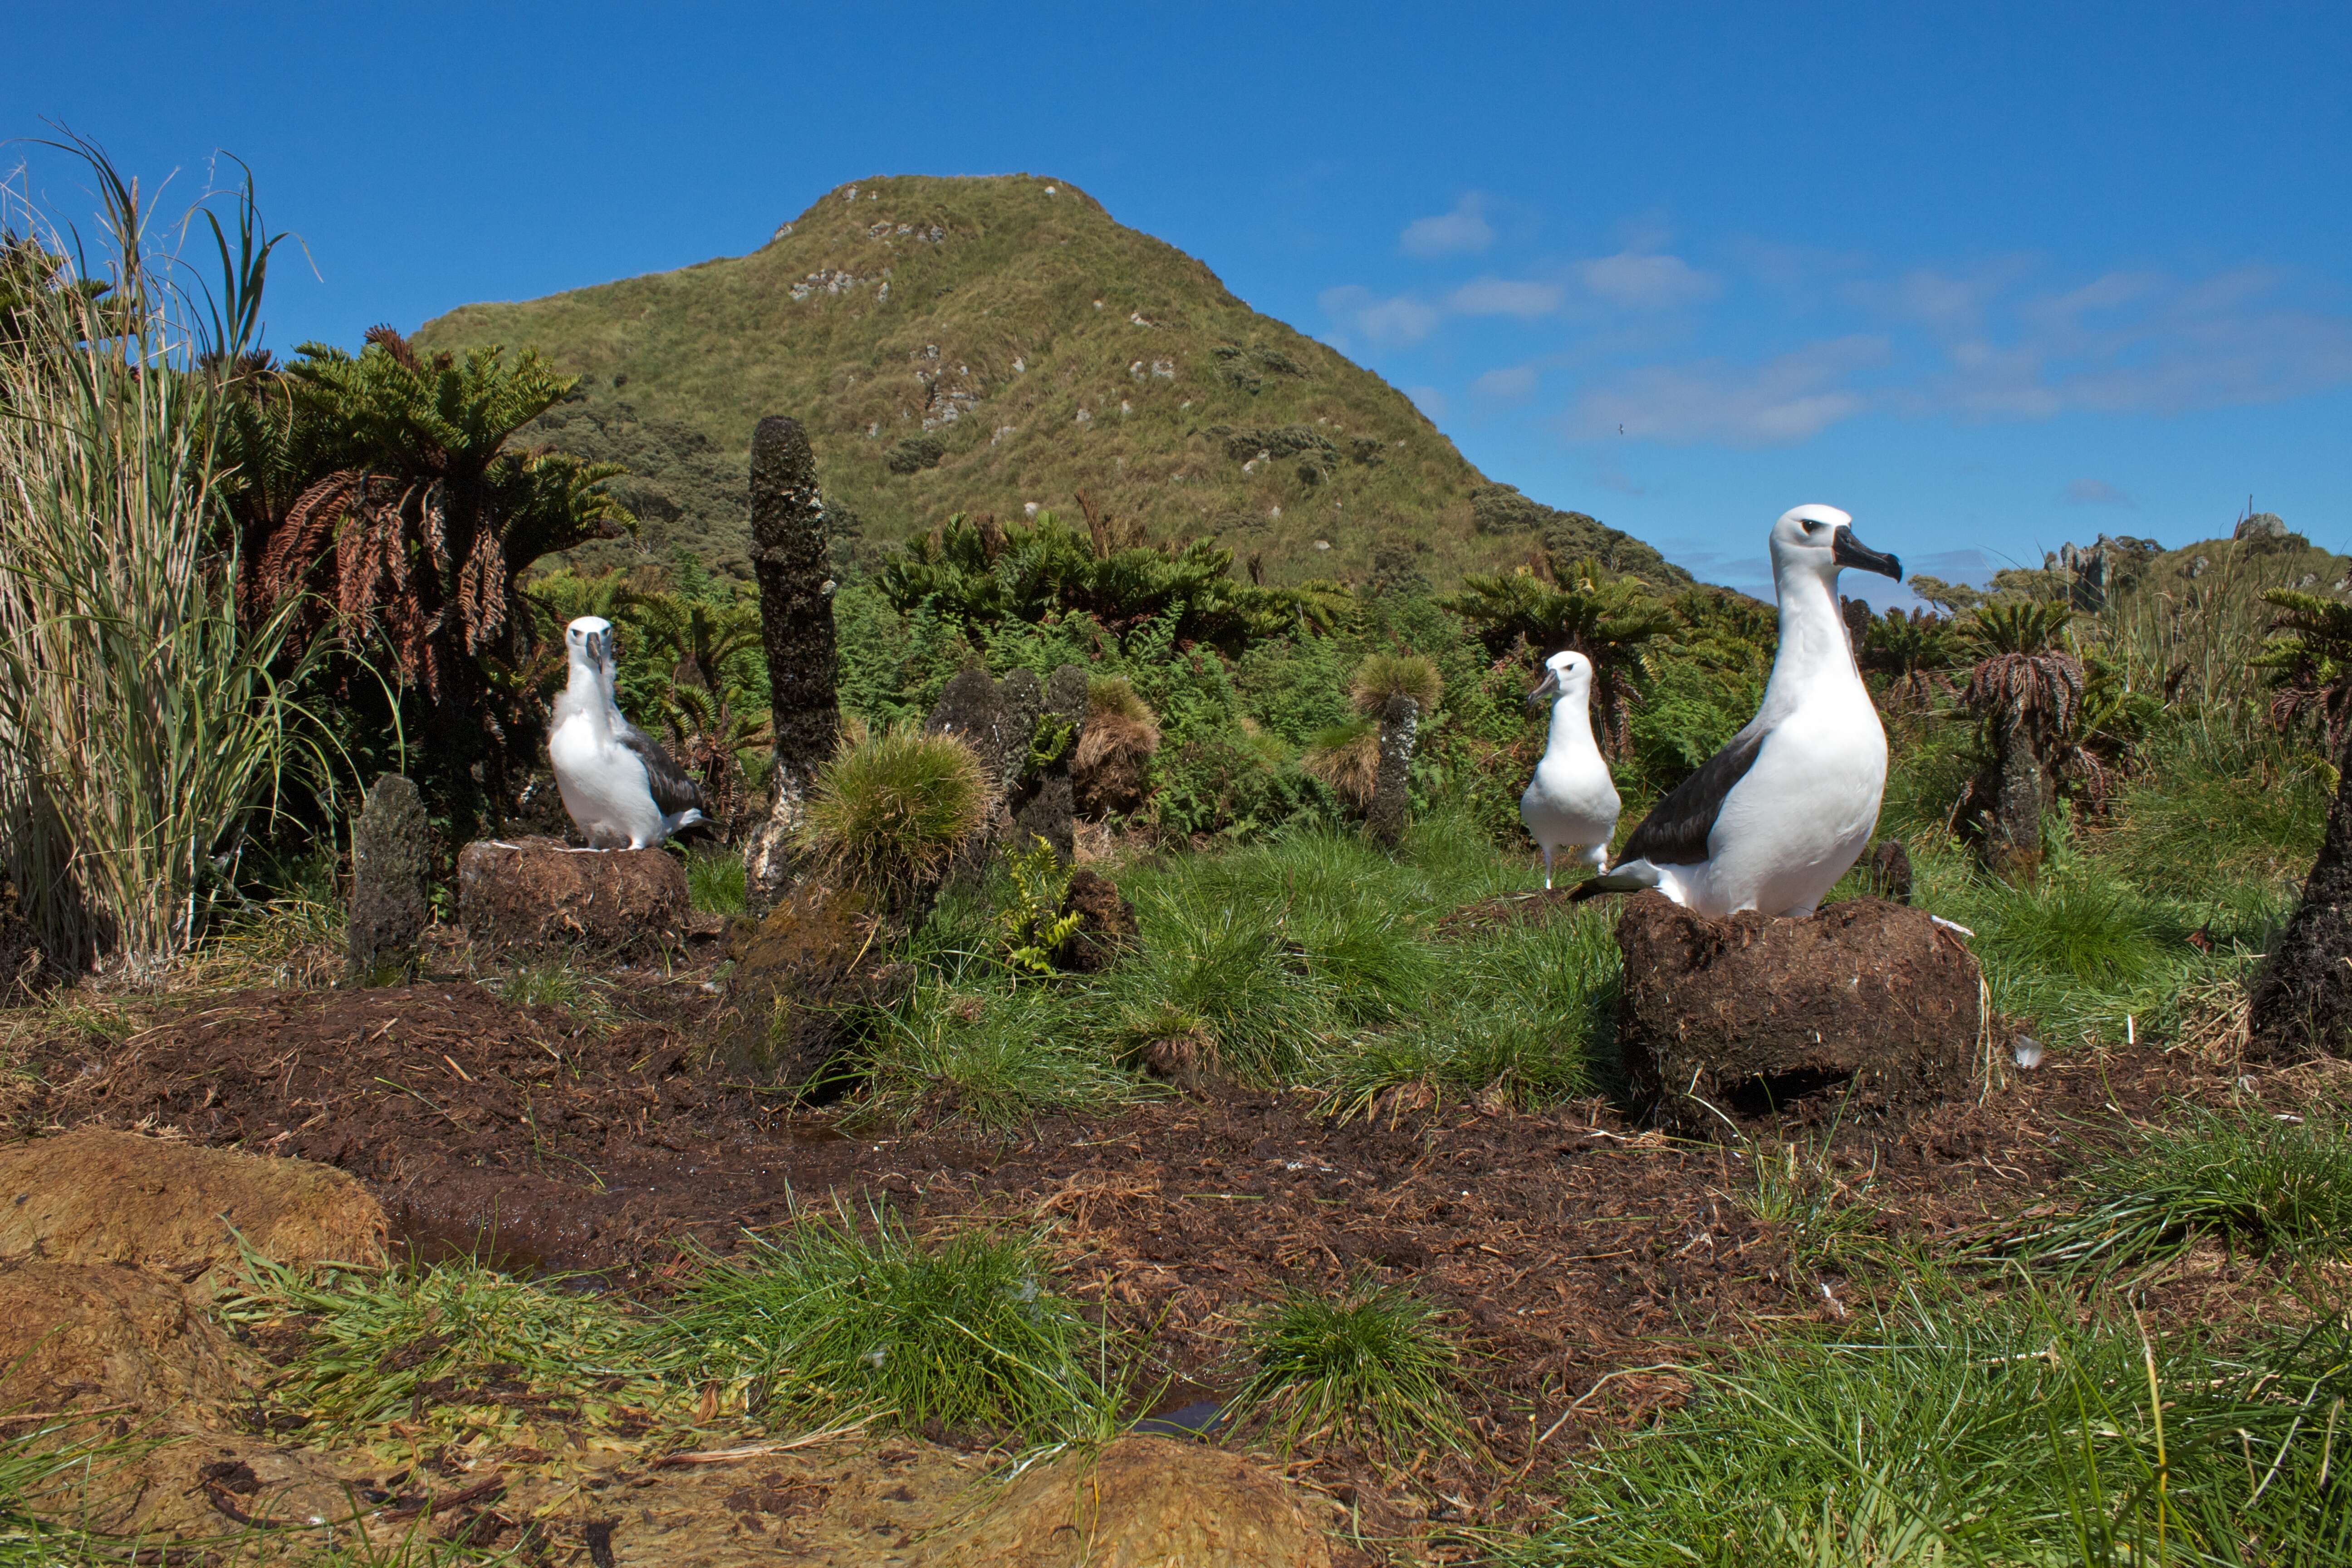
(540, 896)
(105, 1337)
(1139, 1503)
(1869, 1003)
(94, 1195)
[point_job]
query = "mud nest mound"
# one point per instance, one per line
(1868, 1005)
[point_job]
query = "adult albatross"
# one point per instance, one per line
(619, 786)
(1774, 819)
(1572, 803)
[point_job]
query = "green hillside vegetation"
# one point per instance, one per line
(997, 344)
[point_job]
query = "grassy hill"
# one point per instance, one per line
(994, 344)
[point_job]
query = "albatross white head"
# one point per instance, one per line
(588, 644)
(1565, 675)
(1818, 542)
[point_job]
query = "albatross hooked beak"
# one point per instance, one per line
(1550, 687)
(1848, 550)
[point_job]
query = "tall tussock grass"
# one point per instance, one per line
(1962, 1431)
(142, 724)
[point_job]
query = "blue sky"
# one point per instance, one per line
(1990, 276)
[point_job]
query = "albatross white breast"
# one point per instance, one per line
(1572, 802)
(1772, 821)
(619, 786)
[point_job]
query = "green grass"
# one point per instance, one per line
(371, 1339)
(1524, 1013)
(1311, 960)
(714, 878)
(2256, 1179)
(1371, 1367)
(841, 1316)
(889, 815)
(1966, 1431)
(1829, 1222)
(45, 1475)
(996, 1053)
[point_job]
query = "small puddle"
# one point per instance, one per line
(1197, 1419)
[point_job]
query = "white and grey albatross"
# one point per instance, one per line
(1773, 819)
(619, 786)
(1572, 803)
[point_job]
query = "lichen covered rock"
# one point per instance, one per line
(392, 870)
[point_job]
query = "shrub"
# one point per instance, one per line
(1371, 1367)
(1385, 675)
(834, 1316)
(889, 816)
(916, 453)
(1221, 784)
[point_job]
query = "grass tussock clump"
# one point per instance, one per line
(2254, 1179)
(450, 1344)
(836, 1318)
(889, 817)
(1110, 771)
(1963, 1431)
(145, 723)
(1347, 756)
(1372, 1365)
(1385, 675)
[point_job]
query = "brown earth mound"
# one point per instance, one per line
(78, 1335)
(1868, 1003)
(100, 1196)
(1140, 1503)
(538, 895)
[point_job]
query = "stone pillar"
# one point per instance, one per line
(1391, 786)
(392, 865)
(789, 557)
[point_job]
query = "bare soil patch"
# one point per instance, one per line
(1577, 1250)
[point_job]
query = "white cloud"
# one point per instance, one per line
(1637, 280)
(1503, 297)
(1514, 384)
(1400, 320)
(1463, 231)
(1786, 400)
(2096, 492)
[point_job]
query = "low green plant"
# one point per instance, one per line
(1961, 1430)
(371, 1339)
(550, 983)
(714, 880)
(1829, 1222)
(992, 1052)
(1372, 1365)
(2262, 1180)
(841, 1315)
(1031, 927)
(889, 816)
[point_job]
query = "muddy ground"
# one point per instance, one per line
(1575, 1250)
